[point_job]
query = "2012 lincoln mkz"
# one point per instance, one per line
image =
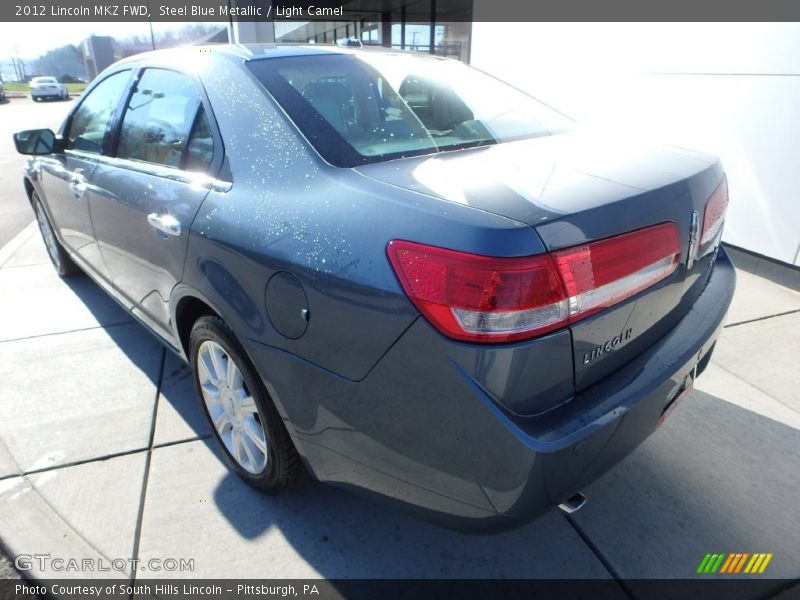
(391, 272)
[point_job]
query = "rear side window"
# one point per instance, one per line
(89, 124)
(164, 123)
(200, 149)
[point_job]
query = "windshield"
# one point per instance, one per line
(36, 80)
(363, 108)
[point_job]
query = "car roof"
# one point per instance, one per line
(254, 52)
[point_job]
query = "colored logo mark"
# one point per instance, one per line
(737, 562)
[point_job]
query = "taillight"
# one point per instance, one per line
(480, 298)
(486, 299)
(714, 215)
(603, 273)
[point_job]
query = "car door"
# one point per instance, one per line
(65, 178)
(145, 198)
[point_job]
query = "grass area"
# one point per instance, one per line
(74, 88)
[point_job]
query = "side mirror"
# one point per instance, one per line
(37, 142)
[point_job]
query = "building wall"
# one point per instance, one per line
(732, 89)
(98, 53)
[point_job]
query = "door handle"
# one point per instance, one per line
(78, 186)
(76, 176)
(164, 223)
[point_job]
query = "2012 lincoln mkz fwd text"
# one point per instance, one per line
(394, 273)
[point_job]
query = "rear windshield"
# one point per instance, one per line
(362, 108)
(43, 80)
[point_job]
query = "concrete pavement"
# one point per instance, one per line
(104, 454)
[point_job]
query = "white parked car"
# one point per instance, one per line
(48, 87)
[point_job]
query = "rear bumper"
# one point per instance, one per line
(50, 95)
(421, 432)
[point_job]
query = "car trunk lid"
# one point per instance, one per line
(574, 189)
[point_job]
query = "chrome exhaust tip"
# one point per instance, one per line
(573, 504)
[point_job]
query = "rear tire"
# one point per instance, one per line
(245, 422)
(64, 265)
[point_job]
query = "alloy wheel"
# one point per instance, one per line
(232, 407)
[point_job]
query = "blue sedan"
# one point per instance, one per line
(391, 272)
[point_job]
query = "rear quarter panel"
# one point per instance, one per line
(289, 211)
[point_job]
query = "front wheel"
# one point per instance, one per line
(63, 264)
(244, 419)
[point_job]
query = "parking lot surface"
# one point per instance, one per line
(104, 454)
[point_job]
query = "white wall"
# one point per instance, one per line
(732, 89)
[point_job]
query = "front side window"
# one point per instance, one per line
(363, 108)
(89, 124)
(160, 118)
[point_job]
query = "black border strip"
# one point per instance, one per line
(446, 11)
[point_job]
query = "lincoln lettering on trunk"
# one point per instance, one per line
(608, 346)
